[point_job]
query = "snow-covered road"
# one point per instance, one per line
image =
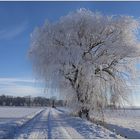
(53, 124)
(36, 128)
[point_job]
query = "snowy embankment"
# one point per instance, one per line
(13, 118)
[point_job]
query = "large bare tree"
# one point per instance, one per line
(88, 56)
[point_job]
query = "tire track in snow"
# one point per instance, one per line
(36, 128)
(60, 128)
(49, 124)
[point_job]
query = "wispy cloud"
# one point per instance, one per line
(17, 80)
(12, 32)
(20, 87)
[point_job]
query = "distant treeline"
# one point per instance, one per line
(29, 101)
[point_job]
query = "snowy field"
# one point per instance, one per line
(17, 112)
(42, 123)
(8, 114)
(124, 121)
(11, 118)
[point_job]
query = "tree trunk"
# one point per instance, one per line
(84, 113)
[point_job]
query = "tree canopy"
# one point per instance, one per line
(88, 56)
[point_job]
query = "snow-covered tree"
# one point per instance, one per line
(88, 56)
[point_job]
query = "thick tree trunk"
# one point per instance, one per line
(84, 113)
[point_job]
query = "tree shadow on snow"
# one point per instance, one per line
(125, 132)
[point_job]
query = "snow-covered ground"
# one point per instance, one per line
(54, 124)
(51, 123)
(17, 112)
(12, 118)
(124, 121)
(26, 122)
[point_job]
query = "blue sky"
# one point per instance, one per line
(18, 19)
